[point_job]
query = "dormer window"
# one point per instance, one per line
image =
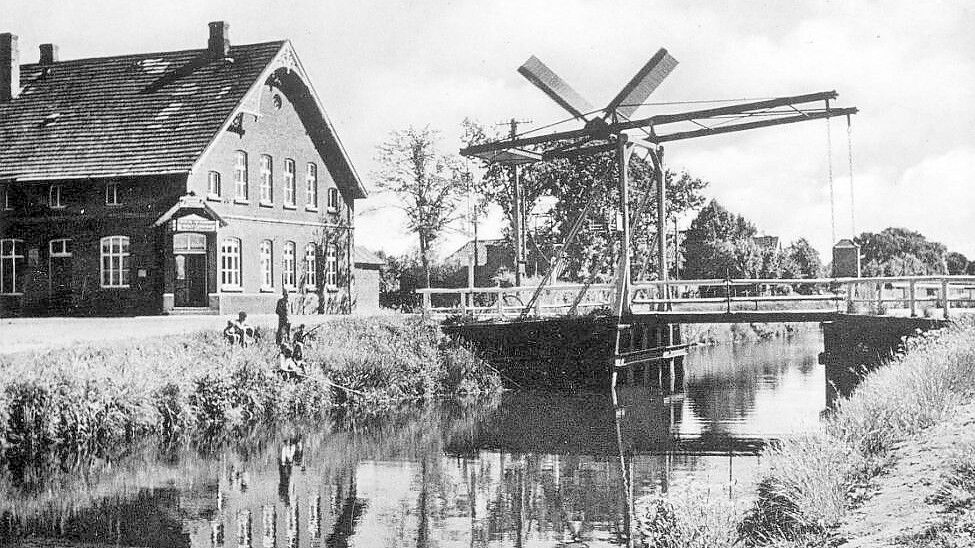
(54, 197)
(111, 194)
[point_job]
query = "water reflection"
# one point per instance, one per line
(535, 469)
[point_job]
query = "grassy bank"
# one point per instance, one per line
(86, 398)
(811, 481)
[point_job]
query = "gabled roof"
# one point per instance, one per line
(362, 255)
(143, 114)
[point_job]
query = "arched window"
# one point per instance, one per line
(331, 265)
(240, 176)
(267, 262)
(311, 265)
(289, 182)
(11, 266)
(311, 186)
(115, 261)
(230, 263)
(267, 180)
(288, 265)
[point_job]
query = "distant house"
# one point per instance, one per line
(494, 257)
(367, 276)
(202, 180)
(766, 242)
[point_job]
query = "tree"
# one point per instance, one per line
(900, 252)
(801, 260)
(571, 184)
(957, 263)
(720, 243)
(426, 182)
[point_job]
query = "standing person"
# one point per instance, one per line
(284, 322)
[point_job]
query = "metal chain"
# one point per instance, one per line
(849, 153)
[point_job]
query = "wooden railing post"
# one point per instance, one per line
(850, 291)
(944, 296)
(880, 298)
(427, 303)
(500, 304)
(912, 289)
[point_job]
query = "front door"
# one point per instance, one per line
(191, 270)
(59, 275)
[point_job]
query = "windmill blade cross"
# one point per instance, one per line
(555, 87)
(646, 80)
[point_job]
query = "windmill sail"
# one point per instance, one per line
(642, 85)
(562, 93)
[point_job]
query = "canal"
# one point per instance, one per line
(527, 469)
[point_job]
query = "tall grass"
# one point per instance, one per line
(88, 398)
(811, 480)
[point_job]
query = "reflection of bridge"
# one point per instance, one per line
(716, 300)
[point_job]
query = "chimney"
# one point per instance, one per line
(219, 43)
(9, 67)
(49, 54)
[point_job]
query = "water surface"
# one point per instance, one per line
(532, 469)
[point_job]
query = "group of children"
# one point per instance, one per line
(291, 355)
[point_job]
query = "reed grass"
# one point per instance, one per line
(811, 480)
(91, 397)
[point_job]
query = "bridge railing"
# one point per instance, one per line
(911, 295)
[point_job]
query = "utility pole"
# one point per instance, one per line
(517, 212)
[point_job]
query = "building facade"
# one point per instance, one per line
(192, 181)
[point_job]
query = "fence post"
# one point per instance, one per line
(944, 296)
(850, 290)
(427, 303)
(880, 298)
(500, 304)
(727, 293)
(912, 288)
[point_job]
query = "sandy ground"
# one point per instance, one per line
(900, 505)
(19, 334)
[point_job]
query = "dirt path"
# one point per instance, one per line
(901, 504)
(20, 334)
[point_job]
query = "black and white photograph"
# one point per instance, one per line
(448, 273)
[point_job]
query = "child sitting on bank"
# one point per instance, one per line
(239, 331)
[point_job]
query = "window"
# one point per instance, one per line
(54, 197)
(267, 262)
(11, 266)
(230, 263)
(189, 242)
(267, 184)
(311, 271)
(213, 184)
(331, 265)
(59, 248)
(115, 261)
(111, 194)
(8, 202)
(240, 177)
(333, 199)
(288, 265)
(311, 187)
(289, 182)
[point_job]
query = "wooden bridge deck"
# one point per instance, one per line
(753, 316)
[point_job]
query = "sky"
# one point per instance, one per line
(380, 66)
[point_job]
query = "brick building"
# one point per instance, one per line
(203, 180)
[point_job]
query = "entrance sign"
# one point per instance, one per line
(195, 223)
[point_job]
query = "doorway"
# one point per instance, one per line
(59, 275)
(190, 280)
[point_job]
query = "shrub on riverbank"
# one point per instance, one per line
(91, 397)
(820, 475)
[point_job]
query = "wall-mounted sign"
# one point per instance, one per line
(195, 223)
